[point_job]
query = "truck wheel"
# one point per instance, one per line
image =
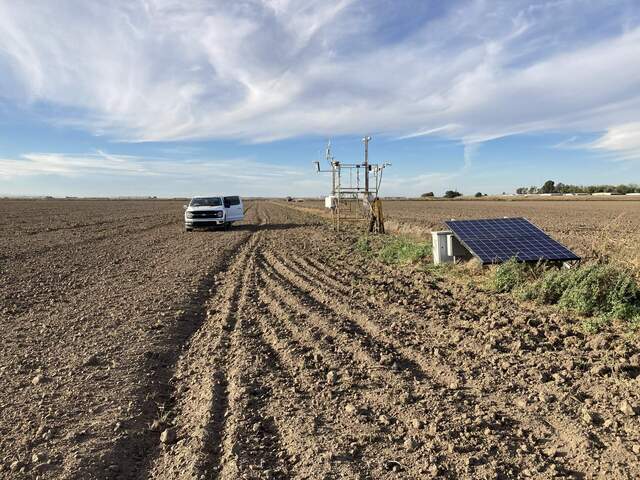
(187, 229)
(227, 225)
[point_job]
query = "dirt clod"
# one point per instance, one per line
(38, 457)
(350, 409)
(417, 424)
(155, 426)
(91, 361)
(410, 444)
(521, 403)
(168, 436)
(625, 407)
(384, 420)
(588, 417)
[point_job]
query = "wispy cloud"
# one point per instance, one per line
(108, 165)
(470, 149)
(260, 70)
(445, 129)
(570, 143)
(70, 165)
(621, 141)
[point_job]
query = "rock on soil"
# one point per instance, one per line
(168, 436)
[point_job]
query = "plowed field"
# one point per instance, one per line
(133, 350)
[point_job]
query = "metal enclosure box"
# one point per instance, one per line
(330, 202)
(441, 247)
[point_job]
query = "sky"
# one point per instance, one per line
(195, 97)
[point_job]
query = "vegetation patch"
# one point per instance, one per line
(393, 250)
(363, 244)
(510, 275)
(601, 291)
(402, 250)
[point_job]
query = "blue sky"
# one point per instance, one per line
(179, 97)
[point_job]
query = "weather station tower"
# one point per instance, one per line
(354, 191)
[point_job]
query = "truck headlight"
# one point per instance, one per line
(189, 215)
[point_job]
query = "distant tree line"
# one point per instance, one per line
(451, 194)
(551, 187)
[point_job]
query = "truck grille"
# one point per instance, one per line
(213, 214)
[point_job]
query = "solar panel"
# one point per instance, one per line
(500, 239)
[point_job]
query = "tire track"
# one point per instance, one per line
(252, 445)
(309, 417)
(314, 423)
(201, 383)
(312, 352)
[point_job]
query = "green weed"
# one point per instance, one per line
(363, 244)
(404, 251)
(634, 324)
(440, 271)
(602, 292)
(595, 324)
(509, 275)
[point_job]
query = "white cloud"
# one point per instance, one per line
(470, 149)
(206, 175)
(69, 165)
(623, 141)
(263, 70)
(431, 131)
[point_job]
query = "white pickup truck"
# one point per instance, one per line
(213, 211)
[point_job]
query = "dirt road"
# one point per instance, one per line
(132, 350)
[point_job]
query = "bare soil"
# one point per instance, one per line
(131, 349)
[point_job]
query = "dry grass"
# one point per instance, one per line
(609, 246)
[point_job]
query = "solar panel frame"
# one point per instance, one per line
(497, 240)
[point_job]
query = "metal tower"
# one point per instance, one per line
(354, 191)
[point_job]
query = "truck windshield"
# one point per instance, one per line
(205, 202)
